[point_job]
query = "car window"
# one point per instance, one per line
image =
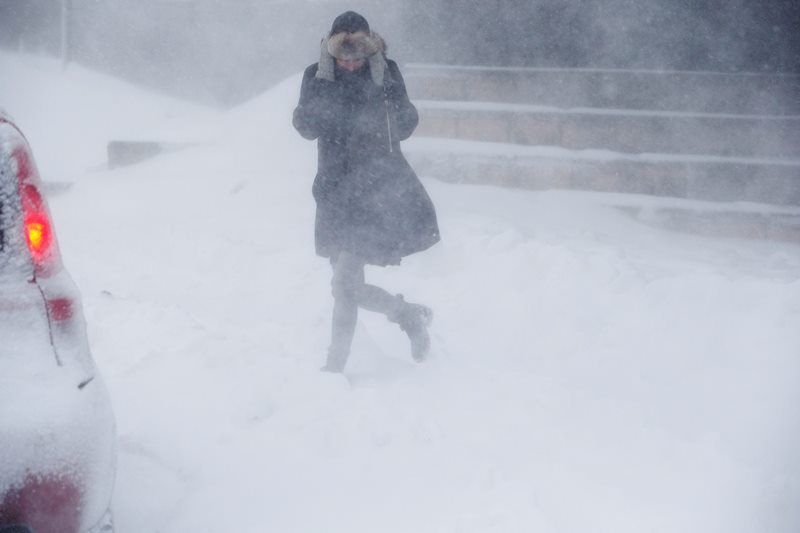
(10, 256)
(5, 224)
(5, 192)
(2, 228)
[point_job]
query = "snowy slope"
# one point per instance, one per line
(70, 115)
(590, 373)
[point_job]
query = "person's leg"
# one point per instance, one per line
(350, 292)
(377, 300)
(348, 276)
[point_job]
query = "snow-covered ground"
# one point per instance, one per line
(589, 373)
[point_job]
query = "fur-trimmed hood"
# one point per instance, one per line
(358, 45)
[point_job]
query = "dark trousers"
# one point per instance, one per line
(349, 293)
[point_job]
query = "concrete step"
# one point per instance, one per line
(124, 153)
(710, 178)
(130, 152)
(711, 92)
(619, 130)
(662, 194)
(730, 222)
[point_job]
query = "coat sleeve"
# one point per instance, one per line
(312, 117)
(405, 114)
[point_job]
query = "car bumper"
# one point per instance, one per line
(57, 470)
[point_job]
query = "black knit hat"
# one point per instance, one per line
(349, 22)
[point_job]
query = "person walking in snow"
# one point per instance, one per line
(371, 207)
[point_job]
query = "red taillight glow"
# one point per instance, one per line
(37, 226)
(36, 231)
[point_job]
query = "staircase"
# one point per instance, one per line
(693, 135)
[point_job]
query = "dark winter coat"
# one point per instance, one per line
(369, 200)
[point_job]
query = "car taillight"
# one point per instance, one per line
(38, 230)
(37, 225)
(60, 309)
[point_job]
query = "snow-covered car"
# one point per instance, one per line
(57, 435)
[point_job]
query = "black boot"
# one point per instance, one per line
(414, 319)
